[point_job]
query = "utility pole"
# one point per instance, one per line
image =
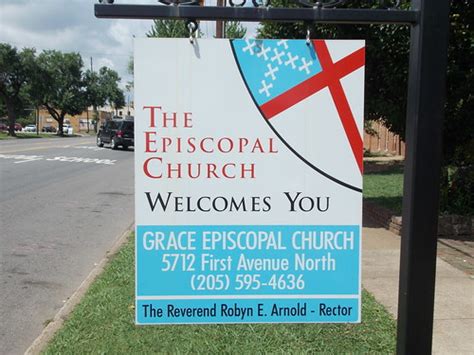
(219, 23)
(87, 110)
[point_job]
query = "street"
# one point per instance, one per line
(63, 203)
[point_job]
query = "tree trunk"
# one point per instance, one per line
(58, 117)
(96, 118)
(11, 118)
(87, 113)
(60, 120)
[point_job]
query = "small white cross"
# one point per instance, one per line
(265, 88)
(277, 56)
(291, 60)
(249, 46)
(305, 65)
(263, 52)
(271, 72)
(283, 43)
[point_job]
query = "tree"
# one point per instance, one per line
(16, 68)
(95, 96)
(457, 194)
(59, 86)
(234, 29)
(459, 127)
(168, 29)
(102, 88)
(3, 108)
(109, 80)
(386, 84)
(117, 99)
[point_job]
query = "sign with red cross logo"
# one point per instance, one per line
(248, 180)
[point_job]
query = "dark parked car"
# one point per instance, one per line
(49, 129)
(4, 127)
(18, 127)
(116, 133)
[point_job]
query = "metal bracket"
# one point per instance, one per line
(192, 26)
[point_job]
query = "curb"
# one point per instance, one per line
(50, 330)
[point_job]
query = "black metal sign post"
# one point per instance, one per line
(426, 98)
(425, 112)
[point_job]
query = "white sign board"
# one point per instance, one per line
(248, 178)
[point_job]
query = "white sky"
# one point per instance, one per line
(70, 26)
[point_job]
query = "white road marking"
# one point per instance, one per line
(92, 147)
(38, 146)
(29, 158)
(82, 160)
(22, 158)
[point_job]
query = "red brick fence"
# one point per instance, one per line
(449, 226)
(383, 141)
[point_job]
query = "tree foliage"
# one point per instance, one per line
(168, 29)
(59, 86)
(234, 29)
(103, 88)
(95, 95)
(109, 80)
(459, 127)
(3, 108)
(16, 69)
(54, 80)
(457, 194)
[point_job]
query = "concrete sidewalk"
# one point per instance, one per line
(454, 298)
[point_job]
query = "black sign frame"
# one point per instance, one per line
(429, 21)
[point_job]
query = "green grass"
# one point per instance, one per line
(385, 187)
(20, 135)
(104, 323)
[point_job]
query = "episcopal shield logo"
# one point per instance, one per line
(311, 96)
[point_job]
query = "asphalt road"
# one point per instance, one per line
(63, 203)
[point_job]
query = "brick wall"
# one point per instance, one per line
(449, 226)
